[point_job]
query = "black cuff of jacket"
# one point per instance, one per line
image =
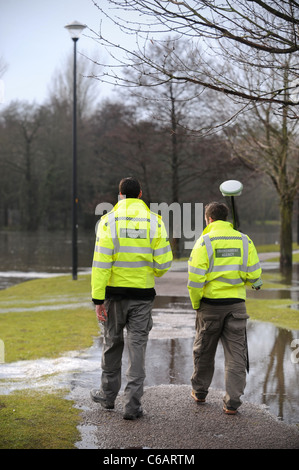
(97, 301)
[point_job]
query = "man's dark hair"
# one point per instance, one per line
(216, 210)
(129, 187)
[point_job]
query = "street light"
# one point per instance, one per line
(75, 29)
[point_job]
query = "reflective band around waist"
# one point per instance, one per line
(229, 281)
(141, 264)
(227, 267)
(135, 249)
(132, 264)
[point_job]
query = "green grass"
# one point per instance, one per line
(36, 420)
(50, 321)
(278, 312)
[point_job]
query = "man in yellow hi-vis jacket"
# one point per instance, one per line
(222, 262)
(131, 250)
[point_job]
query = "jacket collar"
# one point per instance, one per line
(217, 225)
(125, 203)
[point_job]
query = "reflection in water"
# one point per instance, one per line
(273, 380)
(275, 371)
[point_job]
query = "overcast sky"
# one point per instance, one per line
(35, 44)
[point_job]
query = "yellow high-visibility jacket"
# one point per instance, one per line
(222, 261)
(131, 249)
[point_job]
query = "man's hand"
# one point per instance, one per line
(101, 312)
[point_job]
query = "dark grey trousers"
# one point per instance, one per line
(228, 324)
(136, 317)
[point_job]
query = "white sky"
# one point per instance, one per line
(35, 44)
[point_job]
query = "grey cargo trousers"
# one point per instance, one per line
(228, 324)
(136, 316)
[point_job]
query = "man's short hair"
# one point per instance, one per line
(130, 187)
(216, 210)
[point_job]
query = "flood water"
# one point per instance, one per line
(25, 255)
(273, 379)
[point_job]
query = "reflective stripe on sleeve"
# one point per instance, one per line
(199, 285)
(254, 267)
(162, 251)
(101, 265)
(199, 271)
(162, 265)
(103, 250)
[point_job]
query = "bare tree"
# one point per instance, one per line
(229, 38)
(256, 26)
(266, 140)
(61, 87)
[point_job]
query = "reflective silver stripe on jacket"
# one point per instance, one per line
(135, 249)
(210, 252)
(103, 250)
(162, 265)
(162, 251)
(153, 226)
(132, 264)
(229, 281)
(199, 285)
(101, 265)
(112, 224)
(199, 271)
(228, 267)
(245, 253)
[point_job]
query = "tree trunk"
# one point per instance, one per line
(286, 212)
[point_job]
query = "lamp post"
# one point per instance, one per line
(75, 29)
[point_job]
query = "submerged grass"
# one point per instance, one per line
(47, 318)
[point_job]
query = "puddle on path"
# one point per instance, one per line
(273, 379)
